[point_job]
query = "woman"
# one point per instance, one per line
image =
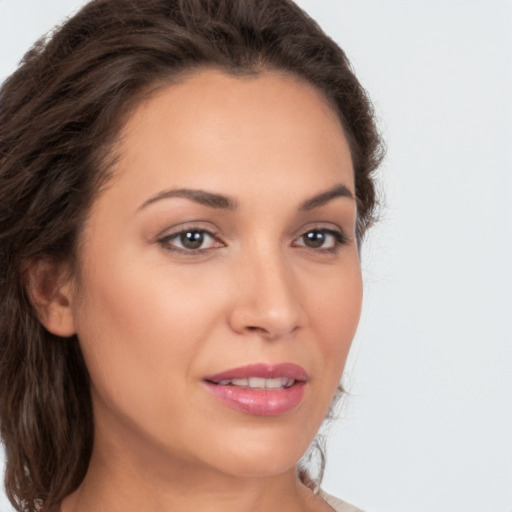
(185, 185)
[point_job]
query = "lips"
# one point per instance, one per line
(262, 390)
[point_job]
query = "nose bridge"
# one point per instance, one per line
(267, 300)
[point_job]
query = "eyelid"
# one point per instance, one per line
(165, 237)
(341, 238)
(319, 226)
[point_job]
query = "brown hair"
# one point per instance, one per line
(60, 113)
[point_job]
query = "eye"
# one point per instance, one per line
(322, 239)
(190, 240)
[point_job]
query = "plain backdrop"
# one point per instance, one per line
(427, 425)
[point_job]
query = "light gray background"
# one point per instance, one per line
(428, 424)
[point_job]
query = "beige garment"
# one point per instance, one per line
(337, 504)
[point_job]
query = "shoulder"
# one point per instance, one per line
(337, 504)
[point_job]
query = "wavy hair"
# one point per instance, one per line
(60, 114)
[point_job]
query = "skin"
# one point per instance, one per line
(154, 319)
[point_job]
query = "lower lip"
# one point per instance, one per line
(260, 402)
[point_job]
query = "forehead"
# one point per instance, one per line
(215, 130)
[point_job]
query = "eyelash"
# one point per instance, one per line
(338, 239)
(167, 240)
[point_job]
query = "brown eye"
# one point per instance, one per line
(190, 240)
(322, 239)
(314, 239)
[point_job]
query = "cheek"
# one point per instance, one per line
(334, 307)
(140, 330)
(140, 337)
(336, 312)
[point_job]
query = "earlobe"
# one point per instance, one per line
(49, 287)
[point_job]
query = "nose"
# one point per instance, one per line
(266, 299)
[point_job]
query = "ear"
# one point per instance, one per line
(50, 290)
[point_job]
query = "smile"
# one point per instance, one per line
(259, 383)
(261, 390)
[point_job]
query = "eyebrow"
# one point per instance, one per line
(210, 199)
(324, 197)
(221, 202)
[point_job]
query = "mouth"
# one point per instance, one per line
(259, 383)
(261, 390)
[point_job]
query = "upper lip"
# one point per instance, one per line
(265, 371)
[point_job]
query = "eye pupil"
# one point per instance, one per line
(314, 239)
(192, 239)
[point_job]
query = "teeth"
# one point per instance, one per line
(289, 382)
(240, 382)
(259, 383)
(275, 383)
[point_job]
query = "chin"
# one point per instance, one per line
(261, 455)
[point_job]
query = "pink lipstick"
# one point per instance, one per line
(260, 389)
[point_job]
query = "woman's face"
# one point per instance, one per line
(220, 287)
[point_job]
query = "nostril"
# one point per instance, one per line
(251, 328)
(266, 334)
